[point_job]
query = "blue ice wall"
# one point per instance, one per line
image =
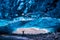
(29, 13)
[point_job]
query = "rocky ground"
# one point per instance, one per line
(47, 36)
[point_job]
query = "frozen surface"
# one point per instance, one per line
(30, 13)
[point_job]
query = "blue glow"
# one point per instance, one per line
(30, 13)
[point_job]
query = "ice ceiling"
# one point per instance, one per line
(29, 13)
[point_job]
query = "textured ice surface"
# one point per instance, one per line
(30, 13)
